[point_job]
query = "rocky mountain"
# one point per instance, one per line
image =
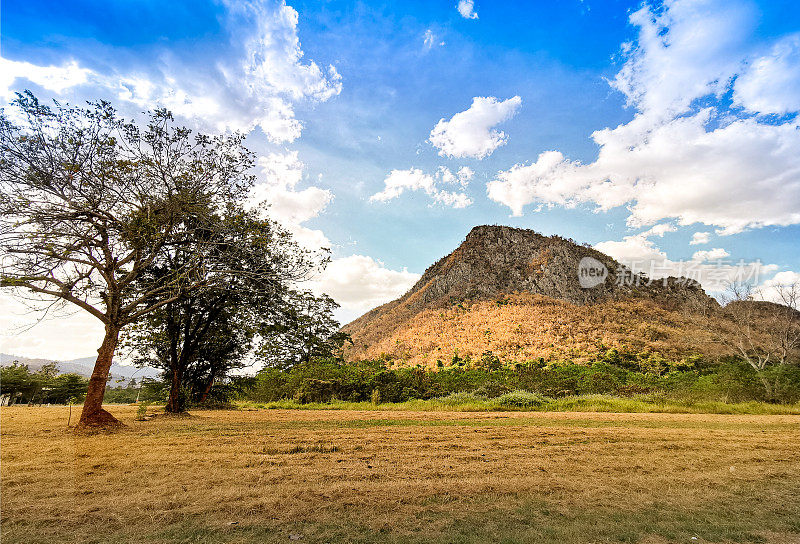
(472, 300)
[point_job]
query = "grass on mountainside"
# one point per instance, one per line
(467, 402)
(275, 476)
(524, 326)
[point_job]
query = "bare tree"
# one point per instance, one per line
(88, 202)
(786, 321)
(762, 332)
(748, 340)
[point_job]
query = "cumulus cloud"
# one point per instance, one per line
(699, 238)
(711, 268)
(471, 133)
(56, 79)
(257, 78)
(277, 188)
(689, 49)
(467, 9)
(771, 83)
(414, 179)
(781, 288)
(660, 230)
(727, 168)
(360, 283)
(710, 254)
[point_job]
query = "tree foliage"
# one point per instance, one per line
(304, 330)
(202, 336)
(90, 202)
(44, 386)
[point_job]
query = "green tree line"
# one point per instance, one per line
(618, 374)
(45, 386)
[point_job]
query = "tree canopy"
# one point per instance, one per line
(90, 202)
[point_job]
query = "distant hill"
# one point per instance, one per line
(522, 295)
(82, 366)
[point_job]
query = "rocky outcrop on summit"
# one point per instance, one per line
(497, 261)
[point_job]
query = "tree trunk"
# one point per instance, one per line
(93, 414)
(767, 386)
(174, 403)
(207, 390)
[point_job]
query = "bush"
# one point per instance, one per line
(618, 373)
(460, 399)
(521, 399)
(141, 412)
(784, 382)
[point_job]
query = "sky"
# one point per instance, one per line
(665, 134)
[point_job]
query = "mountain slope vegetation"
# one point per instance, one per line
(516, 295)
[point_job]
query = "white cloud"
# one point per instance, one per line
(678, 169)
(464, 174)
(414, 179)
(784, 278)
(467, 9)
(255, 82)
(430, 39)
(290, 207)
(689, 49)
(714, 254)
(660, 230)
(771, 83)
(711, 269)
(471, 133)
(675, 160)
(699, 238)
(62, 335)
(53, 78)
(780, 288)
(360, 283)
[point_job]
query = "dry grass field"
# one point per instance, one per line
(350, 476)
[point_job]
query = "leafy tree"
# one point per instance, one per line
(16, 381)
(200, 337)
(89, 202)
(305, 330)
(64, 387)
(43, 386)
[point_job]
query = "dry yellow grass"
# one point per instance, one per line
(523, 327)
(345, 476)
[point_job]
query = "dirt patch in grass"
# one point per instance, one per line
(356, 476)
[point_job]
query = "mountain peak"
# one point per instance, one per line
(495, 262)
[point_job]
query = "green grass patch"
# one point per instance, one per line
(523, 401)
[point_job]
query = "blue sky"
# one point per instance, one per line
(665, 134)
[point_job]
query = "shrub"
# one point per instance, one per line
(492, 389)
(141, 412)
(622, 373)
(521, 399)
(461, 398)
(313, 390)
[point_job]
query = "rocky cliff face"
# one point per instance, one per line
(496, 261)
